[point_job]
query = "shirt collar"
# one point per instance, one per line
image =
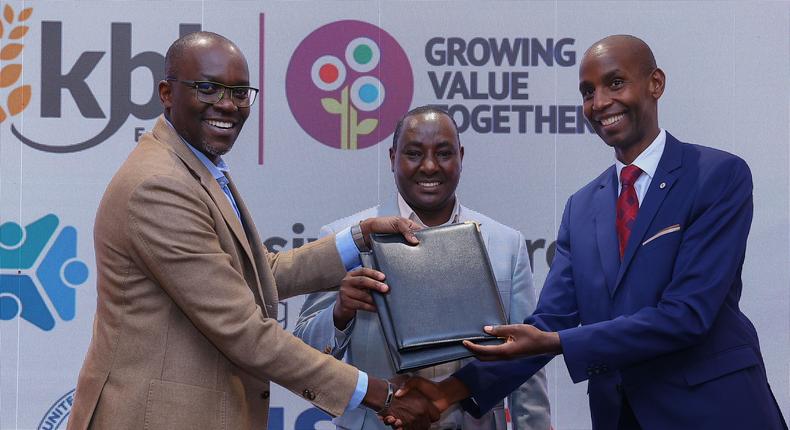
(648, 160)
(407, 212)
(217, 170)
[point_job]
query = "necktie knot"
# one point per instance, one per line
(629, 175)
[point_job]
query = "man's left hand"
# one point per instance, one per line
(390, 224)
(522, 340)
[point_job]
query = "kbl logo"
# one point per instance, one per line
(38, 262)
(57, 77)
(348, 83)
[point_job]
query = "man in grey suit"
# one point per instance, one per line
(426, 157)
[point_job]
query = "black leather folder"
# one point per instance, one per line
(442, 292)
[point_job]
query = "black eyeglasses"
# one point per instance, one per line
(212, 92)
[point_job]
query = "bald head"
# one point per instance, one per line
(627, 46)
(178, 50)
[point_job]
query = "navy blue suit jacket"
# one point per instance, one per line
(661, 328)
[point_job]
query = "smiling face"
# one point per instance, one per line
(620, 86)
(426, 161)
(210, 128)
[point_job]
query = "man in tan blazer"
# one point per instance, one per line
(185, 334)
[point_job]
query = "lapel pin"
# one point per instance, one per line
(662, 185)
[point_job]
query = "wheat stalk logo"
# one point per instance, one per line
(19, 97)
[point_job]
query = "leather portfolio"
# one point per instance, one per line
(442, 292)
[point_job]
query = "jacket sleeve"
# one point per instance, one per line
(315, 325)
(490, 381)
(529, 403)
(173, 236)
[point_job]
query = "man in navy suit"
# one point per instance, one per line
(642, 296)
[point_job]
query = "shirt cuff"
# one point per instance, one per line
(342, 336)
(347, 249)
(359, 392)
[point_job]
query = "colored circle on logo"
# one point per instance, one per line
(323, 93)
(11, 235)
(9, 307)
(74, 273)
(362, 54)
(367, 93)
(328, 73)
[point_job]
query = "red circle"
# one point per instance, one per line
(328, 73)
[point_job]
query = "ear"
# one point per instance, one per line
(392, 158)
(165, 94)
(657, 82)
(461, 164)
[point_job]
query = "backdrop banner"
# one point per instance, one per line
(78, 86)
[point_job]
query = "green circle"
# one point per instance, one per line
(363, 54)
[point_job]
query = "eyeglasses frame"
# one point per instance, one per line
(194, 85)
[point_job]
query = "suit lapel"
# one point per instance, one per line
(163, 132)
(251, 233)
(605, 231)
(667, 173)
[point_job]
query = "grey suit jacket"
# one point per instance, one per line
(365, 347)
(185, 334)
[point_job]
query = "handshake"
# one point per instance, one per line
(414, 402)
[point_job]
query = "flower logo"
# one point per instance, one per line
(347, 84)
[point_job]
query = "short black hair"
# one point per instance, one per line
(421, 110)
(175, 53)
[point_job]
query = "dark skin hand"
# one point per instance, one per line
(404, 410)
(413, 410)
(522, 340)
(442, 395)
(354, 293)
(390, 224)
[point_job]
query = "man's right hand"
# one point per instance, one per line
(441, 394)
(412, 411)
(355, 295)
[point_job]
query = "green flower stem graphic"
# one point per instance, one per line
(344, 118)
(366, 126)
(339, 108)
(348, 120)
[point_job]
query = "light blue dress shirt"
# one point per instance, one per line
(647, 161)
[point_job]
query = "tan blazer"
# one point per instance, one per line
(185, 334)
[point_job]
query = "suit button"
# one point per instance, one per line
(265, 395)
(308, 394)
(328, 349)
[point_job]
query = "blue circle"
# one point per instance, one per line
(368, 93)
(75, 272)
(11, 234)
(9, 308)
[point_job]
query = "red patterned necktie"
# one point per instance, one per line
(627, 205)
